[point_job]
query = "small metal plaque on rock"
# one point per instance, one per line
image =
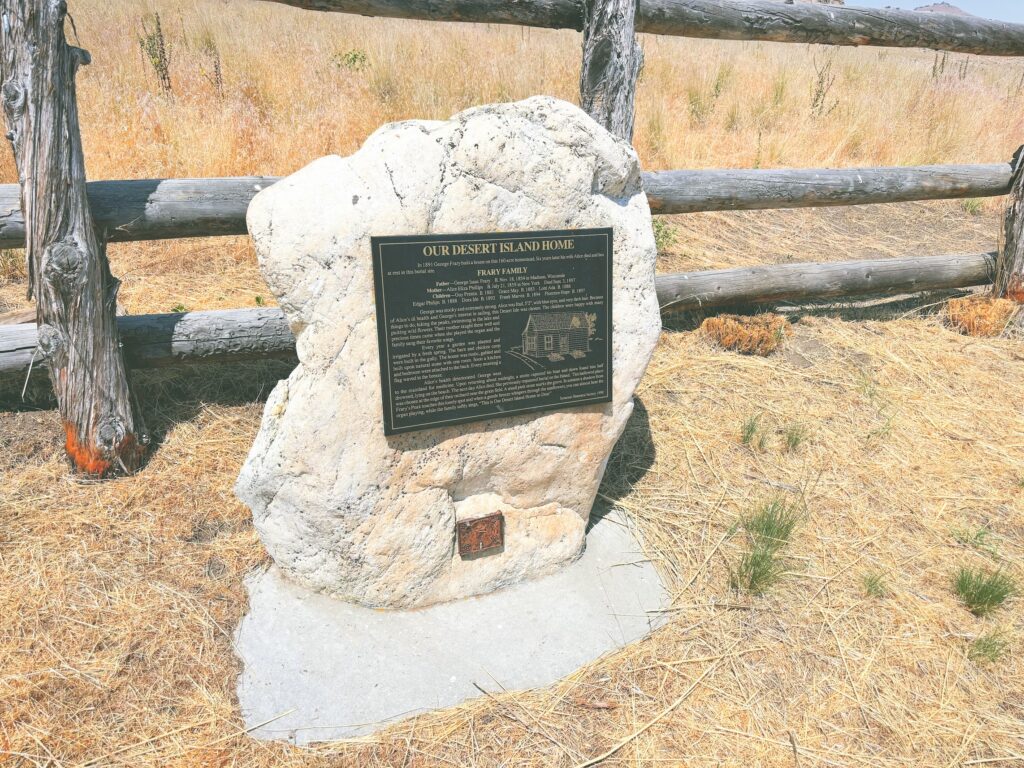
(472, 327)
(484, 534)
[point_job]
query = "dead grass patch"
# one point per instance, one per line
(748, 335)
(980, 315)
(120, 598)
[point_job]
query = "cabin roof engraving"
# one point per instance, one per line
(556, 321)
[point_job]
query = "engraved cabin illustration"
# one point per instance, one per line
(555, 334)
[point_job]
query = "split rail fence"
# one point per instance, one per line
(65, 222)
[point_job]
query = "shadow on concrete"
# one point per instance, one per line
(631, 458)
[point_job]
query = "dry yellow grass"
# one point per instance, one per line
(118, 600)
(749, 335)
(981, 315)
(289, 96)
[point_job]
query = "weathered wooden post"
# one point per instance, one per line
(612, 59)
(1009, 276)
(68, 273)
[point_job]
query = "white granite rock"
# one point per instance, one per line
(371, 519)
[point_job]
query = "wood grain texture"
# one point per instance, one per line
(155, 209)
(1009, 277)
(152, 209)
(68, 273)
(724, 19)
(612, 60)
(152, 341)
(815, 281)
(745, 190)
(237, 334)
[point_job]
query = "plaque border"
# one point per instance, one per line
(378, 242)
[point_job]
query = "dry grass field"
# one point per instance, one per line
(890, 445)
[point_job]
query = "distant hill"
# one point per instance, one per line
(943, 8)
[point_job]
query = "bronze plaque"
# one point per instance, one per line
(485, 534)
(475, 327)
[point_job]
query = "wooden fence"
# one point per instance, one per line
(64, 222)
(160, 209)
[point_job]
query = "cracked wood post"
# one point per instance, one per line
(1009, 278)
(612, 59)
(69, 277)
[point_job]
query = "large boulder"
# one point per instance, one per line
(348, 511)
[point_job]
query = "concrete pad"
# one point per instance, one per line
(342, 670)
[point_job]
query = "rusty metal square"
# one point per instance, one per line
(484, 534)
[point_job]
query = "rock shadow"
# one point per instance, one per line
(632, 457)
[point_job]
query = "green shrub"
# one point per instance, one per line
(355, 60)
(793, 436)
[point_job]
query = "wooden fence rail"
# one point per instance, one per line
(767, 20)
(238, 334)
(808, 283)
(158, 209)
(745, 190)
(67, 223)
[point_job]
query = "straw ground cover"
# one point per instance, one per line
(119, 598)
(898, 440)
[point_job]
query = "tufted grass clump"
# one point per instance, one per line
(980, 315)
(972, 206)
(793, 437)
(773, 524)
(991, 647)
(874, 585)
(12, 265)
(758, 570)
(980, 538)
(749, 428)
(758, 335)
(769, 529)
(983, 591)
